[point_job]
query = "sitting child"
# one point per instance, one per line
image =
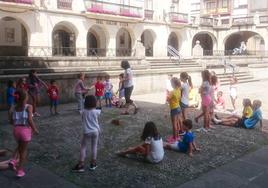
(220, 102)
(186, 144)
(152, 148)
(247, 121)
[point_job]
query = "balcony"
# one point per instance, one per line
(114, 9)
(176, 17)
(17, 5)
(263, 19)
(64, 4)
(149, 14)
(204, 21)
(245, 20)
(29, 2)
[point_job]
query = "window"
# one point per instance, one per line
(148, 4)
(195, 6)
(223, 4)
(125, 2)
(210, 5)
(258, 5)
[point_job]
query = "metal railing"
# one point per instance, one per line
(246, 20)
(228, 64)
(30, 2)
(178, 17)
(64, 4)
(207, 21)
(172, 52)
(231, 53)
(113, 9)
(148, 14)
(263, 19)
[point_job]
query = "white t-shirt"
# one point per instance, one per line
(128, 74)
(157, 151)
(168, 85)
(90, 120)
(185, 90)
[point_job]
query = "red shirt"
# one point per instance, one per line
(99, 89)
(53, 92)
(23, 86)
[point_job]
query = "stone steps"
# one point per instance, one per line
(242, 77)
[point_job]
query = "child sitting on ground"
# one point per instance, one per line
(53, 94)
(91, 133)
(186, 144)
(220, 102)
(152, 148)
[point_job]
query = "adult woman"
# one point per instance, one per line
(128, 86)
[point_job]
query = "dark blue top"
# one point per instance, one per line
(187, 139)
(10, 95)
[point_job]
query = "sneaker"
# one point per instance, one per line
(36, 114)
(20, 173)
(12, 164)
(78, 168)
(93, 166)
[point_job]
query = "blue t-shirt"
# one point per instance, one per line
(10, 97)
(187, 139)
(254, 119)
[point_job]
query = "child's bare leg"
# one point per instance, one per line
(199, 116)
(233, 102)
(174, 126)
(135, 150)
(22, 149)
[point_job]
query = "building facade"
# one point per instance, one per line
(109, 28)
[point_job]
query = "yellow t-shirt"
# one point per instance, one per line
(174, 98)
(247, 112)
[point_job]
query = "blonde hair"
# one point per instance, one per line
(256, 104)
(247, 102)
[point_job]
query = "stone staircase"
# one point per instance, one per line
(243, 77)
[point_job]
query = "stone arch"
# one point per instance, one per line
(253, 40)
(15, 38)
(173, 40)
(97, 41)
(148, 38)
(64, 39)
(207, 41)
(124, 42)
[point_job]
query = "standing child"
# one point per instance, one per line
(152, 148)
(187, 144)
(53, 94)
(121, 90)
(91, 131)
(80, 90)
(11, 89)
(220, 102)
(186, 86)
(99, 91)
(24, 126)
(233, 91)
(22, 84)
(174, 99)
(108, 87)
(205, 92)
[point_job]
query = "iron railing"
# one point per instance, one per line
(30, 2)
(231, 53)
(172, 52)
(178, 17)
(103, 7)
(245, 20)
(204, 21)
(263, 19)
(64, 4)
(149, 14)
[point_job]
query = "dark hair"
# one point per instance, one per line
(52, 81)
(90, 102)
(107, 76)
(150, 130)
(10, 83)
(214, 79)
(125, 64)
(206, 75)
(121, 75)
(175, 82)
(188, 123)
(99, 77)
(186, 76)
(20, 97)
(31, 73)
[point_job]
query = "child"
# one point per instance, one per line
(91, 131)
(186, 86)
(220, 102)
(121, 90)
(34, 89)
(24, 126)
(152, 148)
(205, 92)
(168, 86)
(11, 89)
(53, 94)
(22, 84)
(99, 90)
(80, 90)
(194, 98)
(174, 99)
(233, 91)
(108, 86)
(187, 144)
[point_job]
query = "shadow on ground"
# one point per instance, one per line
(57, 148)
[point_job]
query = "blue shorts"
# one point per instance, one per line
(108, 95)
(99, 97)
(183, 106)
(175, 111)
(54, 102)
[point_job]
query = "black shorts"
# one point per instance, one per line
(241, 123)
(128, 92)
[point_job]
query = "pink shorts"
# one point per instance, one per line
(206, 101)
(22, 133)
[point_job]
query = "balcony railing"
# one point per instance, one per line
(206, 21)
(149, 14)
(64, 4)
(263, 19)
(178, 17)
(29, 2)
(113, 9)
(247, 20)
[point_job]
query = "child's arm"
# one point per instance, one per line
(30, 119)
(195, 147)
(261, 125)
(190, 150)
